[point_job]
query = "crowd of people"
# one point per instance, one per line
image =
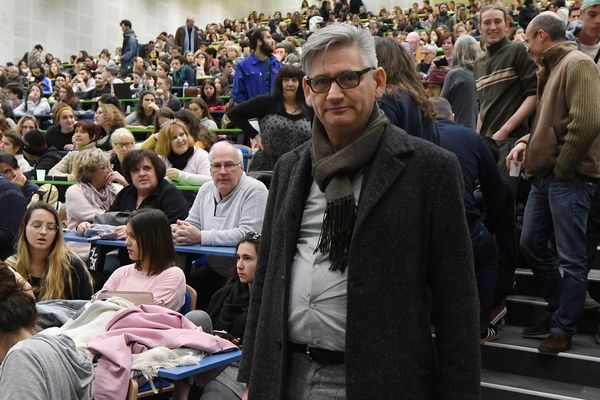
(400, 166)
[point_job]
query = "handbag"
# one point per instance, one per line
(114, 218)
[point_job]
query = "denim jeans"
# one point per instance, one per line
(560, 207)
(485, 254)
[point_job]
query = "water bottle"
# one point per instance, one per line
(185, 86)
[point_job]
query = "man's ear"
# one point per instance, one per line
(307, 92)
(380, 79)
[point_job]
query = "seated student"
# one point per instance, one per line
(147, 188)
(225, 209)
(122, 141)
(39, 77)
(204, 139)
(209, 93)
(146, 110)
(45, 262)
(26, 123)
(228, 310)
(65, 95)
(12, 144)
(165, 97)
(182, 73)
(29, 362)
(200, 108)
(93, 194)
(84, 139)
(186, 164)
(60, 135)
(14, 95)
(35, 104)
(12, 172)
(11, 213)
(109, 118)
(37, 152)
(150, 245)
(164, 116)
(101, 87)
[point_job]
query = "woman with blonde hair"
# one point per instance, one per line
(27, 123)
(93, 194)
(45, 262)
(109, 118)
(186, 164)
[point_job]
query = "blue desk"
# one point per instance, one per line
(225, 251)
(208, 363)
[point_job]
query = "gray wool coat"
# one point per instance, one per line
(410, 234)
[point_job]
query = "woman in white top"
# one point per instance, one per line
(35, 104)
(186, 164)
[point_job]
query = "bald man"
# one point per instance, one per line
(186, 36)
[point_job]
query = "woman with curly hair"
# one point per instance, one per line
(66, 95)
(44, 260)
(109, 118)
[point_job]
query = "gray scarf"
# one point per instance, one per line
(332, 171)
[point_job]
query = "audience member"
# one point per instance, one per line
(186, 36)
(122, 142)
(150, 245)
(11, 213)
(561, 154)
(11, 171)
(45, 262)
(108, 118)
(225, 209)
(459, 86)
(283, 118)
(26, 123)
(60, 135)
(12, 144)
(146, 110)
(200, 109)
(34, 104)
(84, 139)
(130, 49)
(37, 152)
(255, 75)
(164, 96)
(185, 163)
(30, 362)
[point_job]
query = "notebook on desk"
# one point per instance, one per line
(136, 298)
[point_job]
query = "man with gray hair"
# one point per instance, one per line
(355, 235)
(224, 210)
(562, 154)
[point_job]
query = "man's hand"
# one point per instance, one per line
(185, 233)
(245, 393)
(258, 139)
(516, 154)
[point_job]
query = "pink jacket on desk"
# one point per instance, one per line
(135, 330)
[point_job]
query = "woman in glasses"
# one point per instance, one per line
(186, 164)
(283, 119)
(44, 260)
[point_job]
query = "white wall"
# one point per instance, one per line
(64, 27)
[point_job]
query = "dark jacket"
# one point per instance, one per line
(166, 197)
(403, 112)
(130, 51)
(11, 213)
(180, 38)
(410, 205)
(49, 159)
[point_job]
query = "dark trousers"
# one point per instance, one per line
(206, 282)
(485, 254)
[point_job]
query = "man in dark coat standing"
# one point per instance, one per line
(365, 245)
(186, 36)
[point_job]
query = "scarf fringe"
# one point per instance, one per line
(336, 232)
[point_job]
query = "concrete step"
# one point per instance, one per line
(513, 354)
(525, 284)
(506, 386)
(528, 310)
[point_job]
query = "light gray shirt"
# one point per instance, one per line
(224, 221)
(317, 308)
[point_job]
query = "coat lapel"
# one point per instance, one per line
(389, 163)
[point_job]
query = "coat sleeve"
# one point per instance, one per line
(455, 312)
(245, 368)
(239, 92)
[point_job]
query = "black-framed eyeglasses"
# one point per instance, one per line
(345, 80)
